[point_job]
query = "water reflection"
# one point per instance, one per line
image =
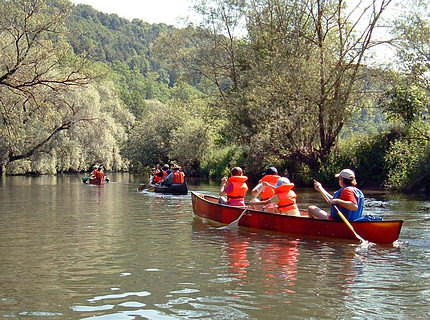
(274, 256)
(280, 265)
(236, 249)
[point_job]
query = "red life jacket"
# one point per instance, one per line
(287, 197)
(239, 188)
(156, 178)
(100, 176)
(268, 192)
(178, 177)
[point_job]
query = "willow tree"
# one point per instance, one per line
(37, 72)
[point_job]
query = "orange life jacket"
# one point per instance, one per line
(268, 192)
(156, 178)
(165, 174)
(239, 188)
(178, 177)
(99, 176)
(287, 197)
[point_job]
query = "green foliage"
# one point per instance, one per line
(132, 87)
(289, 80)
(96, 138)
(412, 30)
(109, 38)
(72, 126)
(218, 162)
(188, 141)
(408, 165)
(39, 78)
(405, 103)
(284, 91)
(365, 154)
(178, 131)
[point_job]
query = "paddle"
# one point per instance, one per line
(345, 220)
(235, 223)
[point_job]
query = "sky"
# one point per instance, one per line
(151, 11)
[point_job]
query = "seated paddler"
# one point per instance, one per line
(94, 172)
(178, 175)
(234, 189)
(157, 176)
(262, 191)
(348, 199)
(165, 173)
(97, 174)
(175, 177)
(282, 201)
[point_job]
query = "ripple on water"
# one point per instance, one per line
(120, 296)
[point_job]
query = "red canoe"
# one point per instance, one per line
(90, 180)
(97, 181)
(208, 207)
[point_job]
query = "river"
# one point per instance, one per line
(75, 251)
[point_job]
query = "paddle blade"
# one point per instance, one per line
(235, 223)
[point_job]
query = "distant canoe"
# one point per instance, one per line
(172, 189)
(383, 232)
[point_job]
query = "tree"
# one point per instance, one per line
(177, 131)
(290, 79)
(412, 33)
(37, 72)
(406, 103)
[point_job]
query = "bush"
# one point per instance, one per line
(408, 166)
(366, 155)
(218, 162)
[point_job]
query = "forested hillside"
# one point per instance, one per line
(110, 38)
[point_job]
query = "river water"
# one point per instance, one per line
(75, 251)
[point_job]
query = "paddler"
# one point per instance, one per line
(349, 199)
(263, 192)
(283, 200)
(234, 189)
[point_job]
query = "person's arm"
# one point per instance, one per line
(223, 183)
(258, 189)
(267, 184)
(274, 199)
(346, 200)
(320, 188)
(349, 205)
